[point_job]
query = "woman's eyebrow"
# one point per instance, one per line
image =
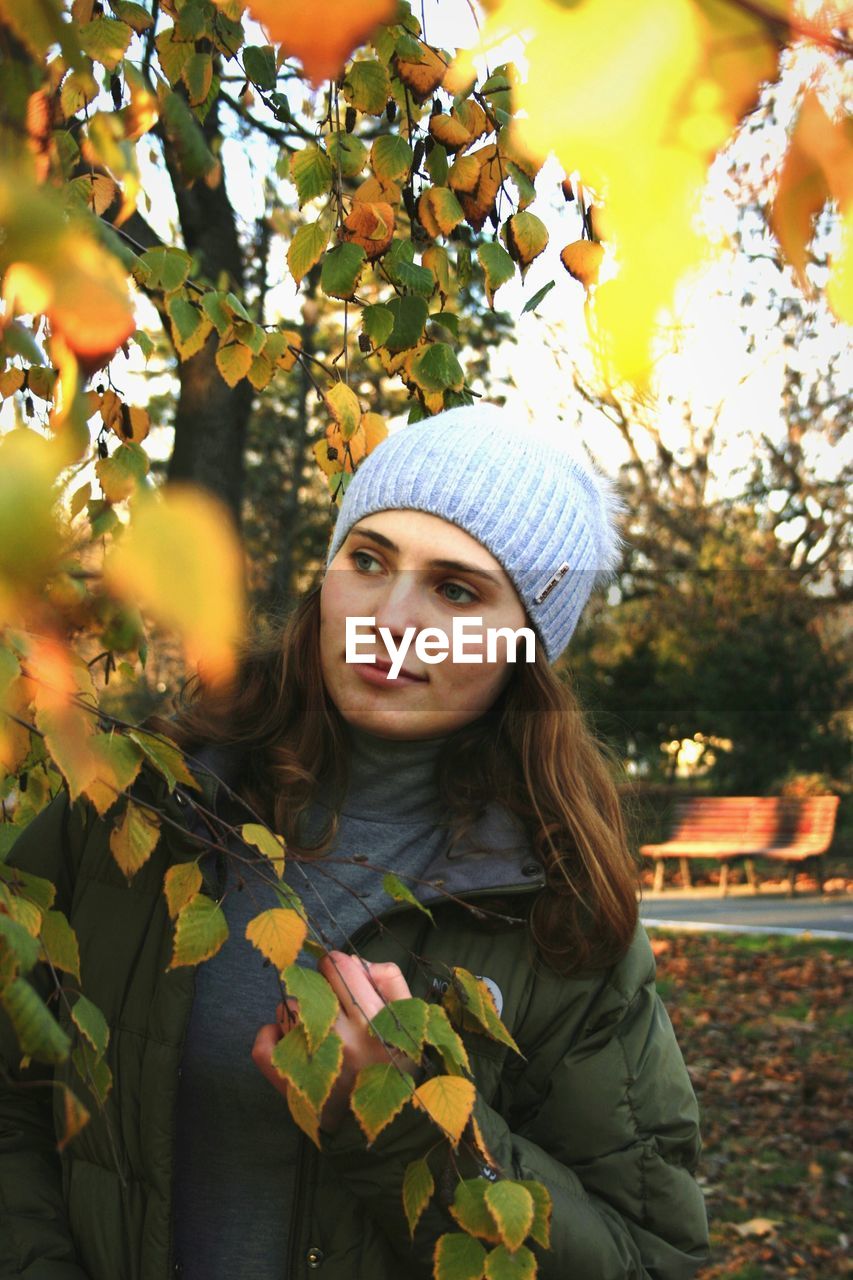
(455, 566)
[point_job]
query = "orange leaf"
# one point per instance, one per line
(422, 76)
(371, 225)
(321, 37)
(582, 260)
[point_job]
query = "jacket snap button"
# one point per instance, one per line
(314, 1257)
(531, 869)
(179, 799)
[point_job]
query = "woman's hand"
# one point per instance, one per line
(372, 988)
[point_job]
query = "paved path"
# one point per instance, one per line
(827, 916)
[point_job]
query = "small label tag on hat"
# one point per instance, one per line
(552, 582)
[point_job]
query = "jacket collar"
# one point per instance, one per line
(495, 856)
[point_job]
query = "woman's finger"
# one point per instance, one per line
(348, 979)
(265, 1041)
(388, 980)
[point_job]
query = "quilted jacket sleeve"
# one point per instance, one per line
(34, 1238)
(608, 1122)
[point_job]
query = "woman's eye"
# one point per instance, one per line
(457, 586)
(362, 556)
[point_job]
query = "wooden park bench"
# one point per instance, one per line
(728, 828)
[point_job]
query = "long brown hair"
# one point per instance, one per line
(533, 748)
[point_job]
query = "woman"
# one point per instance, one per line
(480, 786)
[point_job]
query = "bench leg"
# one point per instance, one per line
(659, 874)
(684, 864)
(724, 878)
(789, 883)
(749, 865)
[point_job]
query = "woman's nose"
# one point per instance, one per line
(400, 604)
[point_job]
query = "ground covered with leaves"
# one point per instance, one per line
(766, 1029)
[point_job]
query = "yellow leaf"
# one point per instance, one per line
(233, 360)
(271, 846)
(76, 1118)
(202, 595)
(321, 40)
(343, 405)
(449, 1101)
(303, 1113)
(375, 430)
(181, 883)
(134, 838)
(422, 75)
(278, 934)
(582, 259)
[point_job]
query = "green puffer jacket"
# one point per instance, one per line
(601, 1111)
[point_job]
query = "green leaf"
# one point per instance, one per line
(402, 1023)
(39, 1034)
(391, 156)
(313, 1074)
(200, 931)
(436, 368)
(532, 303)
(367, 86)
(342, 268)
(91, 1023)
(377, 322)
(166, 757)
(190, 327)
(173, 54)
(501, 1264)
(444, 1038)
(526, 236)
(307, 248)
(347, 151)
(511, 1206)
(259, 65)
(195, 158)
(60, 943)
(121, 473)
(379, 1094)
(19, 944)
(311, 171)
(30, 886)
(318, 1004)
(392, 884)
(166, 268)
(523, 185)
(436, 165)
(198, 77)
(92, 1070)
(458, 1257)
(271, 846)
(418, 1187)
(105, 40)
(419, 280)
(477, 1002)
(497, 265)
(213, 305)
(471, 1211)
(135, 15)
(233, 360)
(542, 1209)
(410, 316)
(134, 838)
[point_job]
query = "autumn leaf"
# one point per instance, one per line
(278, 934)
(321, 41)
(582, 259)
(448, 1100)
(370, 224)
(200, 931)
(134, 838)
(202, 595)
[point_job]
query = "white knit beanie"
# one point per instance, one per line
(548, 516)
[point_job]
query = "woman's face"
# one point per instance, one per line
(409, 569)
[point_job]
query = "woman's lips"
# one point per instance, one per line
(376, 673)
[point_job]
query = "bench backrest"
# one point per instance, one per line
(760, 820)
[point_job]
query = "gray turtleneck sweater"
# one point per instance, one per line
(235, 1138)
